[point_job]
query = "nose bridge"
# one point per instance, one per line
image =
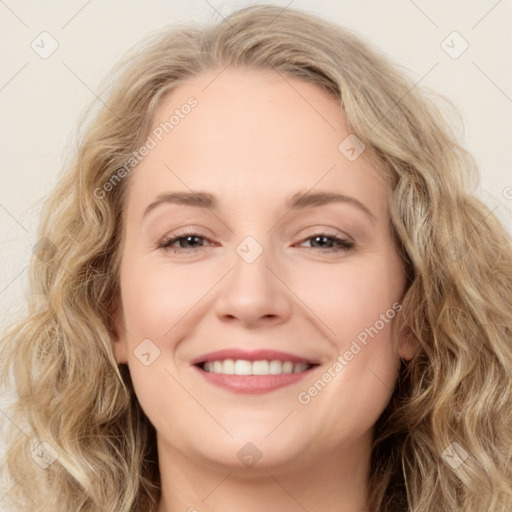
(252, 291)
(251, 264)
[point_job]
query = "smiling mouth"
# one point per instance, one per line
(261, 367)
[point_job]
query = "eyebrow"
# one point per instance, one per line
(300, 200)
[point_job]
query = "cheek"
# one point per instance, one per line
(155, 299)
(357, 304)
(350, 298)
(341, 298)
(155, 303)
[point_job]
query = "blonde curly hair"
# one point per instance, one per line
(81, 421)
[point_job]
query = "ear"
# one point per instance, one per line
(119, 341)
(408, 344)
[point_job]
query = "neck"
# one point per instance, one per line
(333, 481)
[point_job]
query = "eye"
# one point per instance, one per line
(183, 239)
(342, 243)
(195, 239)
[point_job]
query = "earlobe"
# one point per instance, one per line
(408, 344)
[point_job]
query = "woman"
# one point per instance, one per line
(193, 344)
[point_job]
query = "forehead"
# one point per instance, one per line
(252, 135)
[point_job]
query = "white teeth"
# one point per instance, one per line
(287, 367)
(243, 367)
(228, 367)
(275, 367)
(260, 367)
(263, 367)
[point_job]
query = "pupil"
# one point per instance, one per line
(324, 238)
(191, 237)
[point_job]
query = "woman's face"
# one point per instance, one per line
(253, 281)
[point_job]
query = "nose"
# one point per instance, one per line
(254, 293)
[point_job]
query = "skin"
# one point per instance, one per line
(253, 140)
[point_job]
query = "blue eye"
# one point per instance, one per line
(193, 239)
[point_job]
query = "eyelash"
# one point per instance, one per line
(345, 245)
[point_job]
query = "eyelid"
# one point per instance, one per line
(183, 234)
(344, 242)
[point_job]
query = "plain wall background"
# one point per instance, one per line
(41, 99)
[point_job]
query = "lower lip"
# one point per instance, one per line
(253, 384)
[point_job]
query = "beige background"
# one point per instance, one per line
(41, 98)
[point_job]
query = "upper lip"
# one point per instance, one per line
(252, 355)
